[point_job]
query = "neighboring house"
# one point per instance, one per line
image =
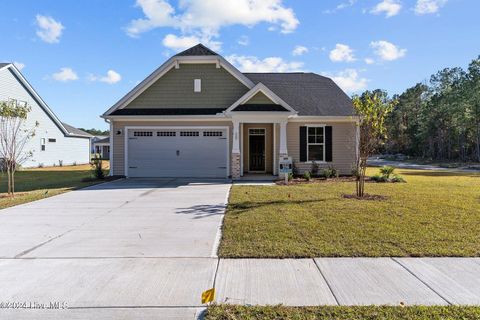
(95, 139)
(199, 116)
(54, 143)
(102, 148)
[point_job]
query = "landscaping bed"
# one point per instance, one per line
(434, 214)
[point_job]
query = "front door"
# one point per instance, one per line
(256, 143)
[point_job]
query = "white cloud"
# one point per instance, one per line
(428, 6)
(244, 41)
(299, 50)
(112, 77)
(341, 6)
(389, 7)
(342, 53)
(204, 19)
(369, 61)
(65, 74)
(19, 65)
(349, 80)
(50, 30)
(270, 64)
(387, 51)
(179, 43)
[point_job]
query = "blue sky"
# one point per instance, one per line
(82, 56)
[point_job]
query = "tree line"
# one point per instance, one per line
(439, 119)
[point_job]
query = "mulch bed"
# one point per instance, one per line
(296, 181)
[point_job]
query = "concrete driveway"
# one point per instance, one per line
(126, 218)
(137, 243)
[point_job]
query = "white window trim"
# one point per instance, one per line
(318, 144)
(197, 85)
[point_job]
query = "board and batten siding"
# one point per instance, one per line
(219, 89)
(69, 150)
(343, 146)
(118, 164)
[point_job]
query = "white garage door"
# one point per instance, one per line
(186, 152)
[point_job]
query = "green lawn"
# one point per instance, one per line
(228, 312)
(433, 214)
(39, 183)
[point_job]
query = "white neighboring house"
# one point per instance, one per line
(54, 142)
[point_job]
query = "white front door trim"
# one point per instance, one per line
(127, 128)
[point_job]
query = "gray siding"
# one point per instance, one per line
(175, 89)
(69, 150)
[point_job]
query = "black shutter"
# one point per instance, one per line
(328, 143)
(303, 144)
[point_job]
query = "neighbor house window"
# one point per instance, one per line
(42, 144)
(52, 140)
(197, 85)
(316, 144)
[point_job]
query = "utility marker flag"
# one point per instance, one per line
(208, 295)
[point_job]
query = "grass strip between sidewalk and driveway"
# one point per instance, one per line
(40, 183)
(434, 214)
(231, 312)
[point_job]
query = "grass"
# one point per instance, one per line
(229, 312)
(39, 183)
(433, 214)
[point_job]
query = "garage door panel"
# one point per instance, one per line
(185, 152)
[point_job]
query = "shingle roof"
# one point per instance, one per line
(167, 111)
(76, 131)
(198, 50)
(308, 93)
(104, 140)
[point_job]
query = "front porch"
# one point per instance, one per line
(256, 148)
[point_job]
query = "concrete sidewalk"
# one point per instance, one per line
(170, 288)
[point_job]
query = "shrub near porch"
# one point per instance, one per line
(433, 214)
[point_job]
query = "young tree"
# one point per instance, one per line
(372, 109)
(14, 136)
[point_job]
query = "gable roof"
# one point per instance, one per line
(104, 140)
(23, 81)
(308, 93)
(198, 50)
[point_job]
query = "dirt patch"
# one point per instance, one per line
(17, 194)
(373, 197)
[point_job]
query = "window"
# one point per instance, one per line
(256, 132)
(189, 134)
(212, 133)
(52, 140)
(42, 144)
(316, 144)
(142, 134)
(166, 134)
(197, 85)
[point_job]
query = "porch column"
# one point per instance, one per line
(283, 139)
(236, 150)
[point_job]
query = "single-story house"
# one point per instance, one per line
(199, 116)
(55, 142)
(101, 147)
